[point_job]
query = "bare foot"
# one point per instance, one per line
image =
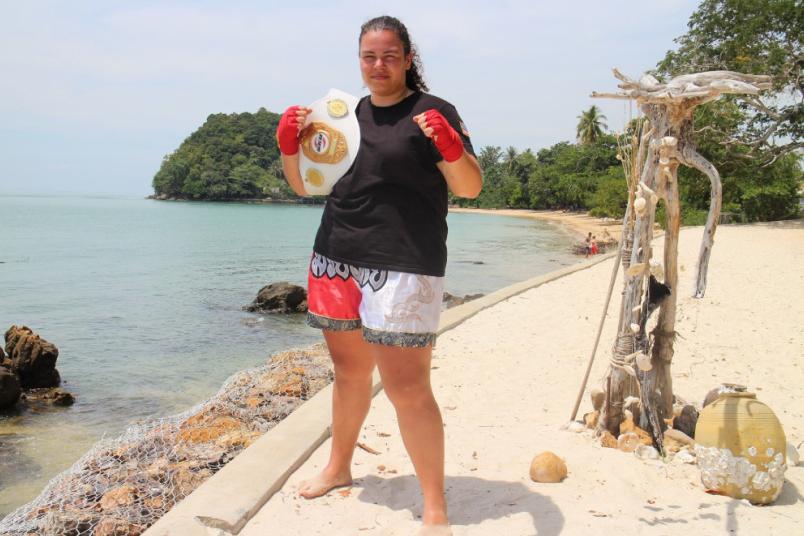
(323, 484)
(435, 530)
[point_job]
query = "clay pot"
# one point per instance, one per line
(741, 448)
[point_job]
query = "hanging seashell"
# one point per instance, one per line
(669, 141)
(635, 328)
(664, 161)
(643, 362)
(639, 205)
(636, 270)
(628, 442)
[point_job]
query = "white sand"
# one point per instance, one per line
(506, 381)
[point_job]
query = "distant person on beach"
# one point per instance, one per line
(593, 245)
(588, 244)
(376, 277)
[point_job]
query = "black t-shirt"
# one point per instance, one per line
(390, 209)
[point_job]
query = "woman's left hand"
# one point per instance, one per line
(436, 127)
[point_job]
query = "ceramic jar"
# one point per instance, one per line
(741, 448)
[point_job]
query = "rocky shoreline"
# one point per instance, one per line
(122, 486)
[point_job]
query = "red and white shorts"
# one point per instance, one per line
(392, 308)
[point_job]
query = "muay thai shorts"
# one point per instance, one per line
(392, 308)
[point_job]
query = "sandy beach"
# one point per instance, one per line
(507, 378)
(580, 222)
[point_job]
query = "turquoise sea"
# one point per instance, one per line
(143, 299)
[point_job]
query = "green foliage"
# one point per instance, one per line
(229, 157)
(611, 196)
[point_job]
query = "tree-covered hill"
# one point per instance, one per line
(231, 156)
(754, 141)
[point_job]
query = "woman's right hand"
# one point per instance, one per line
(290, 125)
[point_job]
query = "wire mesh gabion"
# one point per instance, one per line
(123, 485)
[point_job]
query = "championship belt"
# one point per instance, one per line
(328, 142)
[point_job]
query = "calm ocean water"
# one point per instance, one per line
(143, 299)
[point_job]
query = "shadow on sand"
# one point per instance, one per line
(471, 500)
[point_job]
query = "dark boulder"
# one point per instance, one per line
(5, 361)
(10, 389)
(33, 359)
(48, 397)
(279, 298)
(686, 421)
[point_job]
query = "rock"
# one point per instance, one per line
(117, 497)
(608, 440)
(279, 298)
(450, 300)
(598, 397)
(193, 431)
(685, 456)
(59, 398)
(575, 426)
(590, 419)
(627, 424)
(53, 397)
(644, 436)
(792, 455)
(687, 420)
(679, 436)
(293, 382)
(33, 359)
(548, 468)
(671, 446)
(238, 439)
(186, 481)
(644, 452)
(10, 389)
(112, 526)
(628, 442)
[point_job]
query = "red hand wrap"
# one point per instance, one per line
(287, 132)
(446, 139)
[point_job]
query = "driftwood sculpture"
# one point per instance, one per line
(640, 364)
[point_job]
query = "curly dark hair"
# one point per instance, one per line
(413, 76)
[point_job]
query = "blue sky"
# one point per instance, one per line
(94, 94)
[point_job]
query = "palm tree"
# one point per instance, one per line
(591, 125)
(510, 158)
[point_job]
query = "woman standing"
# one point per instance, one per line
(376, 276)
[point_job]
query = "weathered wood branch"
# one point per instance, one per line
(692, 158)
(707, 86)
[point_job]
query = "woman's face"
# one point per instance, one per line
(383, 62)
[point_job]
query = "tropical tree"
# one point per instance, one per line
(591, 125)
(756, 37)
